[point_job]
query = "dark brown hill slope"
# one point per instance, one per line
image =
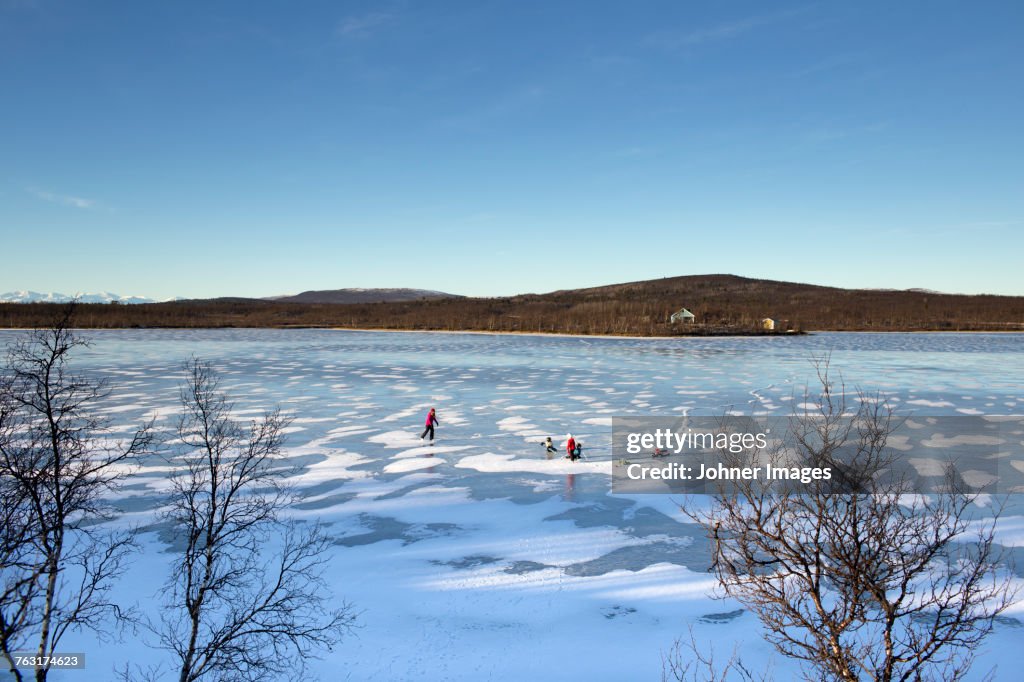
(362, 296)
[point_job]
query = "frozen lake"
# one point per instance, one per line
(478, 558)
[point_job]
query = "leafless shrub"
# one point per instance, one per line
(57, 463)
(690, 661)
(235, 609)
(876, 584)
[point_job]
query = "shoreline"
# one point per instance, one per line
(564, 335)
(655, 338)
(540, 334)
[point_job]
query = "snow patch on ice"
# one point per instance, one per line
(429, 450)
(514, 423)
(599, 421)
(930, 403)
(335, 467)
(492, 463)
(412, 464)
(396, 439)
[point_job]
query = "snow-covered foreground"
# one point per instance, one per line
(479, 558)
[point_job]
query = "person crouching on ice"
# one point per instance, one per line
(431, 421)
(549, 447)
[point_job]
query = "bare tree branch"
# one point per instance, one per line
(232, 612)
(689, 661)
(57, 464)
(874, 584)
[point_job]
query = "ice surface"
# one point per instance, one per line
(478, 558)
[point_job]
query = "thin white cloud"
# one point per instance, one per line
(835, 62)
(362, 25)
(675, 40)
(514, 102)
(638, 151)
(63, 199)
(828, 134)
(709, 34)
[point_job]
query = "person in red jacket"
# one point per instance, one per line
(431, 421)
(570, 447)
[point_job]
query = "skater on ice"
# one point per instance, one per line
(572, 448)
(431, 421)
(549, 446)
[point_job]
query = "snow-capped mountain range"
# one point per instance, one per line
(82, 297)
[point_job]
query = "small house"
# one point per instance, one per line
(768, 323)
(683, 315)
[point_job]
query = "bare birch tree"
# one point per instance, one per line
(58, 462)
(877, 584)
(18, 565)
(246, 599)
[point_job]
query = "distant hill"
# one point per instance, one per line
(693, 287)
(722, 304)
(363, 296)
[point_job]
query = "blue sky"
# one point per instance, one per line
(494, 148)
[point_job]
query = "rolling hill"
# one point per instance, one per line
(363, 296)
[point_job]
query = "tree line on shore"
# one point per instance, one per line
(721, 304)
